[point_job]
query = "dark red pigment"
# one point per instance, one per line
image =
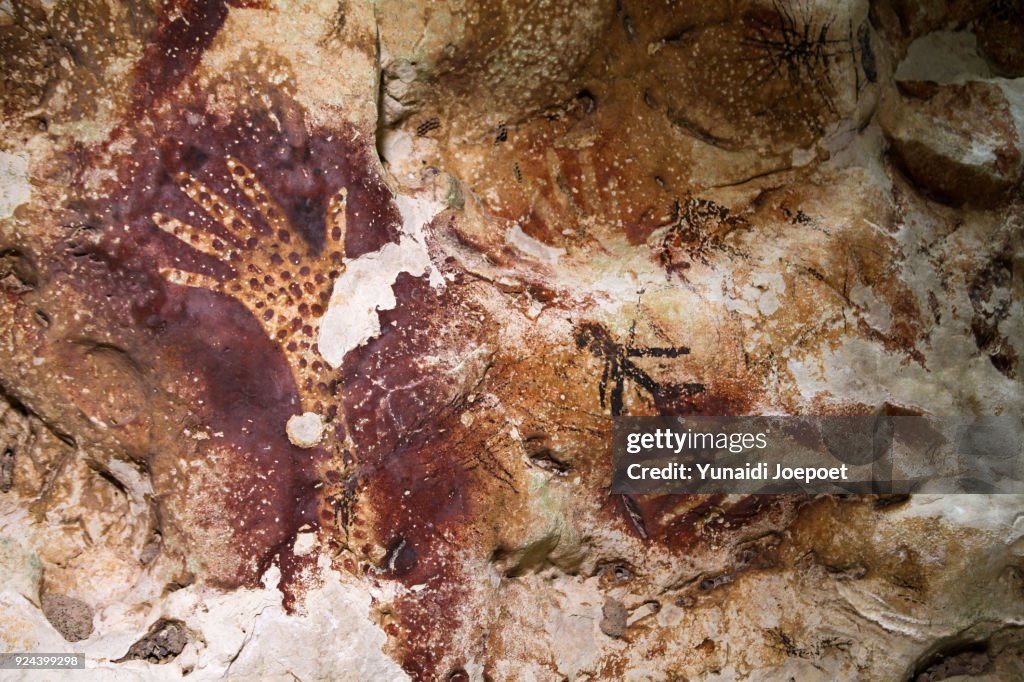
(185, 31)
(402, 417)
(176, 333)
(397, 428)
(248, 384)
(301, 169)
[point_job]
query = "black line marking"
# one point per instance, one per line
(618, 367)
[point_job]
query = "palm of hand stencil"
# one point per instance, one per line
(271, 269)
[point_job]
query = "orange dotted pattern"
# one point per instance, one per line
(273, 272)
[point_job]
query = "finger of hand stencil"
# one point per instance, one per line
(189, 279)
(254, 190)
(214, 205)
(337, 222)
(198, 239)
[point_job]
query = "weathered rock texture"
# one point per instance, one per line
(310, 311)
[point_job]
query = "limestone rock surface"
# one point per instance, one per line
(310, 311)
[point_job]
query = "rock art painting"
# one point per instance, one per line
(316, 316)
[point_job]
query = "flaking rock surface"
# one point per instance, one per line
(311, 312)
